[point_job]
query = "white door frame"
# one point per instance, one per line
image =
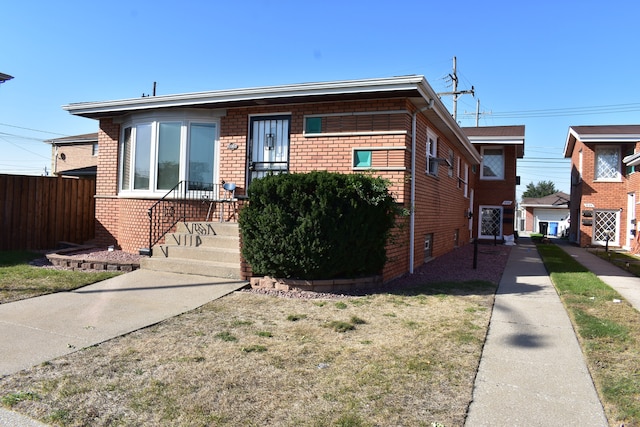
(631, 219)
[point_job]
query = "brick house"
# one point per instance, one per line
(396, 127)
(604, 184)
(495, 194)
(75, 155)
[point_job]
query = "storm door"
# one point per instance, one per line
(490, 222)
(606, 227)
(268, 146)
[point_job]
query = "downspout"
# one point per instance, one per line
(412, 213)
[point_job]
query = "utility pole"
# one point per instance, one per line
(478, 113)
(455, 92)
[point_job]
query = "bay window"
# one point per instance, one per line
(157, 154)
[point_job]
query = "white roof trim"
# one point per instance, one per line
(249, 94)
(390, 84)
(502, 140)
(632, 160)
(598, 138)
(534, 205)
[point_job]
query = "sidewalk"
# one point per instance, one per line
(39, 329)
(625, 283)
(532, 371)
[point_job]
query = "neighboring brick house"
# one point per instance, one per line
(495, 193)
(75, 155)
(547, 215)
(396, 127)
(604, 184)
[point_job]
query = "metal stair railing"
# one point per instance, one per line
(186, 201)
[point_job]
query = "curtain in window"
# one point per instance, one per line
(607, 163)
(142, 157)
(168, 155)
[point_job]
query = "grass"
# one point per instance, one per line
(19, 280)
(623, 260)
(285, 366)
(608, 331)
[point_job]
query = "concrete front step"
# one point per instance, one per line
(187, 266)
(198, 253)
(209, 228)
(204, 241)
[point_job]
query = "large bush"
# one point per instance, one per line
(318, 225)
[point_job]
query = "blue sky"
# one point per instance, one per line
(545, 64)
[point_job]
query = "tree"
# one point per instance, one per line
(541, 189)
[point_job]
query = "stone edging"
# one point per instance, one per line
(75, 263)
(337, 285)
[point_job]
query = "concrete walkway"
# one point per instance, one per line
(40, 329)
(532, 371)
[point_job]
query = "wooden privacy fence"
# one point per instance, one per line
(39, 212)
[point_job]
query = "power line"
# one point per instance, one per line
(22, 137)
(568, 111)
(22, 148)
(33, 130)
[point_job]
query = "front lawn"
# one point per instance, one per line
(403, 358)
(19, 280)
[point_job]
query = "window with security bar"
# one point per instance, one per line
(492, 163)
(608, 163)
(606, 227)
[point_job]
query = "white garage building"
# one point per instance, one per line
(547, 215)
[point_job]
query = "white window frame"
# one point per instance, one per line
(186, 120)
(432, 153)
(465, 181)
(493, 178)
(580, 160)
(618, 177)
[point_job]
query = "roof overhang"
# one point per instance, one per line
(414, 87)
(598, 137)
(269, 95)
(632, 160)
(89, 138)
(519, 143)
(535, 205)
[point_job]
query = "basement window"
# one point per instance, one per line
(361, 158)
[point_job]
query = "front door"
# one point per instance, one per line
(268, 146)
(606, 227)
(490, 222)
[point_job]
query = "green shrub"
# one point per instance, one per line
(319, 225)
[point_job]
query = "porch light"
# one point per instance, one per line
(271, 140)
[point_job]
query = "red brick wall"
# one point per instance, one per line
(529, 221)
(602, 195)
(494, 192)
(440, 204)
